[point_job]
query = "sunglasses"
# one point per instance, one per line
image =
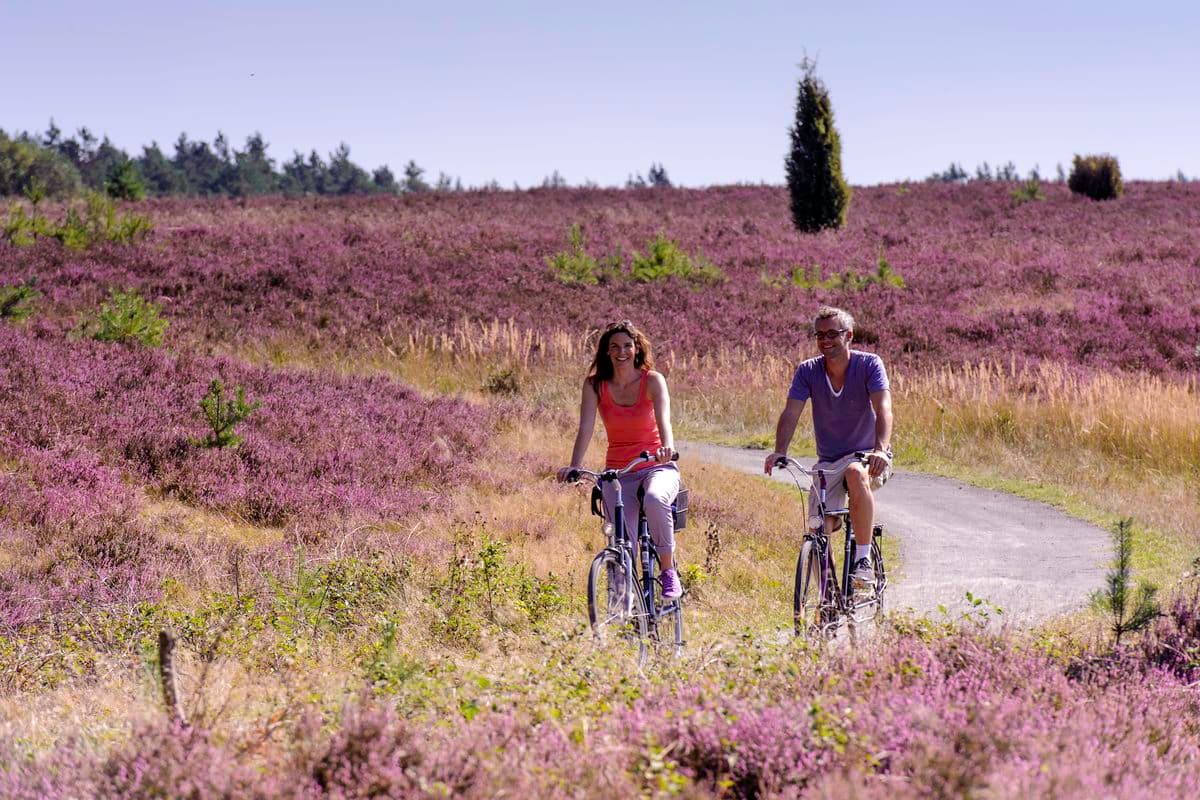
(830, 334)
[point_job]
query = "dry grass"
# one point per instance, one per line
(1100, 446)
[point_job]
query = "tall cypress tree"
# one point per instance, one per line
(820, 195)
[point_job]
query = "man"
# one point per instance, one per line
(852, 412)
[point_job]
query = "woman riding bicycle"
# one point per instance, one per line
(636, 410)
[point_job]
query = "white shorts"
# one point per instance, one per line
(835, 486)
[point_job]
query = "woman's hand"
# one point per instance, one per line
(564, 474)
(663, 455)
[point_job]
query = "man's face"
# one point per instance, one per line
(833, 341)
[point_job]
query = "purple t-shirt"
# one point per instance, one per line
(843, 423)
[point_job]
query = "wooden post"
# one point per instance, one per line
(166, 673)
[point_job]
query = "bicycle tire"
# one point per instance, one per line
(880, 574)
(808, 615)
(609, 612)
(668, 624)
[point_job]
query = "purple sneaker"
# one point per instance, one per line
(671, 588)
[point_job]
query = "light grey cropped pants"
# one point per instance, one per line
(662, 484)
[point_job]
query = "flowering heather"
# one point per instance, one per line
(69, 528)
(319, 445)
(86, 428)
(1102, 285)
(952, 714)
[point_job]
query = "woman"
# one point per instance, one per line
(633, 403)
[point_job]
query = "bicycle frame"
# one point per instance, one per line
(836, 597)
(621, 547)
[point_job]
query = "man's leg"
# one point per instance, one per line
(862, 503)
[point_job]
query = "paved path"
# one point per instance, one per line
(1030, 559)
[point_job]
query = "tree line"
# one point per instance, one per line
(53, 164)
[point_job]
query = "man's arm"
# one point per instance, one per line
(881, 401)
(784, 430)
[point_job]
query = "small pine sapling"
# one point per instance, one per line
(16, 301)
(224, 414)
(1128, 611)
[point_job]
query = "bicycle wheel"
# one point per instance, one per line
(809, 613)
(614, 611)
(880, 575)
(666, 621)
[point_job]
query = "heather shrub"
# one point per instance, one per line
(1097, 177)
(1173, 642)
(818, 193)
(665, 259)
(71, 526)
(127, 317)
(224, 414)
(170, 760)
(16, 301)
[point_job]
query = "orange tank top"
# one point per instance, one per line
(631, 429)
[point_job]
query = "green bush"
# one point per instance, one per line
(26, 166)
(1027, 192)
(223, 414)
(503, 381)
(1097, 177)
(127, 317)
(483, 589)
(124, 182)
(665, 259)
(98, 221)
(819, 194)
(846, 280)
(574, 265)
(16, 301)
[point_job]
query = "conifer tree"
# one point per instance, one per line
(819, 194)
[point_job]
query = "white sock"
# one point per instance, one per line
(862, 551)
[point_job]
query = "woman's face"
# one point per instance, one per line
(621, 349)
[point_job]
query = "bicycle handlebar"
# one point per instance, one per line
(575, 474)
(791, 463)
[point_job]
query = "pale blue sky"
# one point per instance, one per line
(514, 90)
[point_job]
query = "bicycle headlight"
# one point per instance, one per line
(608, 529)
(814, 522)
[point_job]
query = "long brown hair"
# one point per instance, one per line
(602, 366)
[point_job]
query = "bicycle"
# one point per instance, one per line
(818, 603)
(614, 599)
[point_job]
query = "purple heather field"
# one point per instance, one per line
(95, 438)
(1100, 285)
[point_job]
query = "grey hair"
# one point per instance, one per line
(842, 316)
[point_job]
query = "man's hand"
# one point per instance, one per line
(769, 464)
(663, 455)
(877, 462)
(564, 474)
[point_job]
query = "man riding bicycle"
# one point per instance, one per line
(852, 413)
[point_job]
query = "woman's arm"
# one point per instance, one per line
(661, 398)
(587, 425)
